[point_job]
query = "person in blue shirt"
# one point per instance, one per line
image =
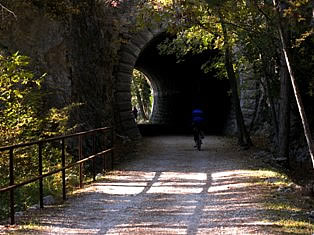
(197, 123)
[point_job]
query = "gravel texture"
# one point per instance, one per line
(166, 187)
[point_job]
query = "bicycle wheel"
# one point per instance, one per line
(198, 142)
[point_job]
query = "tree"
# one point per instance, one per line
(19, 97)
(24, 118)
(244, 138)
(23, 115)
(287, 59)
(141, 94)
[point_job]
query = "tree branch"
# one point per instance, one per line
(261, 11)
(8, 10)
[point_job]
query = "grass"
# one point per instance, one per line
(292, 226)
(285, 205)
(289, 211)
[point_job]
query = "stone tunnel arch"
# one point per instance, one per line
(175, 92)
(128, 56)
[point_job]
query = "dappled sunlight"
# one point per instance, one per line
(136, 182)
(131, 175)
(191, 202)
(63, 230)
(179, 183)
(164, 193)
(176, 176)
(231, 174)
(121, 188)
(218, 188)
(226, 181)
(147, 228)
(166, 202)
(174, 189)
(124, 183)
(174, 210)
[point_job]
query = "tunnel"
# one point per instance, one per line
(177, 89)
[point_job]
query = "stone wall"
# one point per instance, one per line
(92, 59)
(77, 51)
(249, 94)
(34, 34)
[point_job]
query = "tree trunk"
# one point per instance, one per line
(272, 109)
(140, 102)
(268, 75)
(244, 137)
(306, 127)
(284, 113)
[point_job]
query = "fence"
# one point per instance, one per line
(10, 188)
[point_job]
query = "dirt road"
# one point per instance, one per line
(167, 188)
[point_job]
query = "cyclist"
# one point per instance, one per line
(197, 121)
(134, 111)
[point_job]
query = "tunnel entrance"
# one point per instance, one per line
(180, 87)
(177, 89)
(142, 97)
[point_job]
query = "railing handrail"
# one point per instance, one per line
(10, 188)
(2, 190)
(5, 148)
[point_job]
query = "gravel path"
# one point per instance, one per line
(168, 188)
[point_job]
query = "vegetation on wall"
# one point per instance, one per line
(141, 96)
(24, 118)
(25, 111)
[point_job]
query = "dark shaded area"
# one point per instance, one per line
(166, 129)
(180, 87)
(162, 129)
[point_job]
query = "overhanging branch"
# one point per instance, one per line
(3, 8)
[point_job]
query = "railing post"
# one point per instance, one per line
(103, 147)
(40, 171)
(104, 162)
(112, 145)
(94, 152)
(81, 164)
(63, 171)
(12, 211)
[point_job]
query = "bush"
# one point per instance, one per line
(23, 118)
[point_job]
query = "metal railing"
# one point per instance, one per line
(10, 188)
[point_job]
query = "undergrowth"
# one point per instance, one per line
(287, 206)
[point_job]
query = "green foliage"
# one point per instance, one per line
(251, 27)
(53, 8)
(19, 99)
(196, 28)
(24, 117)
(141, 95)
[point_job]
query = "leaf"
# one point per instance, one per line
(18, 94)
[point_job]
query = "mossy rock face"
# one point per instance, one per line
(34, 34)
(76, 45)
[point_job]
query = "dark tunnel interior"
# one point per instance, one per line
(180, 87)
